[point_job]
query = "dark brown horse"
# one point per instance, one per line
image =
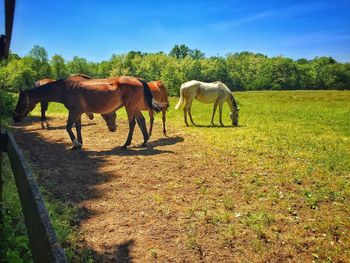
(93, 95)
(44, 104)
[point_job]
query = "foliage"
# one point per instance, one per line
(14, 244)
(240, 71)
(7, 102)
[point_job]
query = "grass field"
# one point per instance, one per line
(288, 168)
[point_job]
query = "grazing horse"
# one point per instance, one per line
(93, 95)
(44, 104)
(215, 92)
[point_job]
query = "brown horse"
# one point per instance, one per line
(159, 93)
(93, 95)
(44, 105)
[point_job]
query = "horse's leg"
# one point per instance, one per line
(185, 116)
(132, 122)
(90, 115)
(44, 123)
(221, 104)
(190, 114)
(78, 129)
(163, 119)
(151, 121)
(72, 118)
(186, 110)
(142, 124)
(214, 110)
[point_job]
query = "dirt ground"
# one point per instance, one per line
(148, 204)
(131, 202)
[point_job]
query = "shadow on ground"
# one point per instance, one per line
(71, 177)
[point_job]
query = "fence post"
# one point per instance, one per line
(1, 180)
(3, 148)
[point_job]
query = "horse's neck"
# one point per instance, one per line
(47, 93)
(231, 102)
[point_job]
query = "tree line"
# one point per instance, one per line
(240, 71)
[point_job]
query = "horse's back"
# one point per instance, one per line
(159, 91)
(211, 92)
(43, 82)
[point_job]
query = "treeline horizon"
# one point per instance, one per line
(243, 71)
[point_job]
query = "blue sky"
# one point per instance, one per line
(97, 29)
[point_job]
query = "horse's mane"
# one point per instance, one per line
(233, 100)
(80, 75)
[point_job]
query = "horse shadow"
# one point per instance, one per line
(215, 126)
(63, 127)
(137, 150)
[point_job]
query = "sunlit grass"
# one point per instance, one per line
(290, 160)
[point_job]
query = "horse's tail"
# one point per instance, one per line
(151, 103)
(181, 100)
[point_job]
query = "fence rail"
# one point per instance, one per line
(42, 238)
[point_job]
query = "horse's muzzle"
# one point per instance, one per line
(17, 118)
(112, 128)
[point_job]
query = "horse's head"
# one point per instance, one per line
(110, 121)
(23, 107)
(234, 116)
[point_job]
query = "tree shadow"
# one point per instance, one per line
(69, 178)
(122, 252)
(119, 254)
(35, 119)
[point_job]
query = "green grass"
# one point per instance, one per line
(290, 158)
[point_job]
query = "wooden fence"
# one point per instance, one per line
(42, 238)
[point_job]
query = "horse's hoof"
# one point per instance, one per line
(124, 147)
(76, 148)
(44, 125)
(144, 145)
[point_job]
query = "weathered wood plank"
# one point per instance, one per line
(42, 238)
(3, 148)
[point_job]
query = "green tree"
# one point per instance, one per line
(20, 75)
(197, 54)
(38, 62)
(58, 67)
(180, 52)
(79, 66)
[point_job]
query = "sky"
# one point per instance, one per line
(97, 29)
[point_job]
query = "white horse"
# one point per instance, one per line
(215, 92)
